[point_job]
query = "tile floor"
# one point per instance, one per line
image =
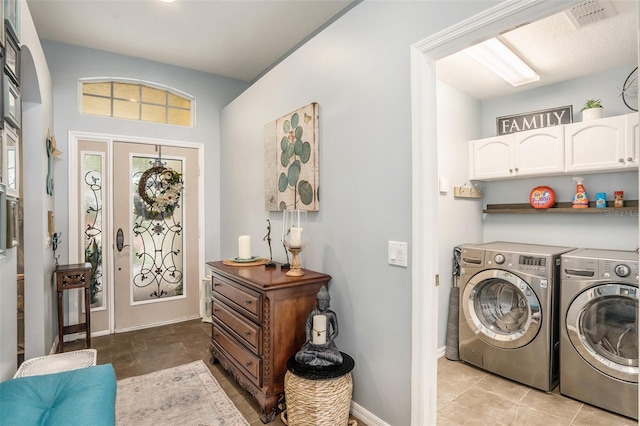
(466, 394)
(144, 351)
(470, 396)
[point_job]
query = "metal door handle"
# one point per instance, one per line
(120, 240)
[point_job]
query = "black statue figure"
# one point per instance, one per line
(326, 353)
(286, 253)
(268, 239)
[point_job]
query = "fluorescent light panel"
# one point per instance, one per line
(503, 62)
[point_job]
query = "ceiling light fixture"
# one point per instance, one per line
(167, 1)
(503, 62)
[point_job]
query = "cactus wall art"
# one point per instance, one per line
(291, 161)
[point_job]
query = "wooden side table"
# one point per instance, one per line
(69, 277)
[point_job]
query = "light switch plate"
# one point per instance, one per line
(398, 253)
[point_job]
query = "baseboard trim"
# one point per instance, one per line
(142, 327)
(366, 416)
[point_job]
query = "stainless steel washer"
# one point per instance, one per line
(599, 329)
(508, 310)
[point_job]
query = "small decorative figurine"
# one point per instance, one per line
(286, 253)
(321, 330)
(55, 241)
(267, 238)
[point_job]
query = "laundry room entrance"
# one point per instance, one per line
(441, 150)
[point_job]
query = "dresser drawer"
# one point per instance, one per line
(250, 364)
(247, 331)
(243, 299)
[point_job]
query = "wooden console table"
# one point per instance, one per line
(259, 316)
(69, 277)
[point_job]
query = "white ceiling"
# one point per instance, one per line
(555, 49)
(239, 39)
(242, 39)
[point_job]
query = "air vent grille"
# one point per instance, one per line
(589, 12)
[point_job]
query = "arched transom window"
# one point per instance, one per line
(136, 100)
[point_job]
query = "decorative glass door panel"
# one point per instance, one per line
(93, 217)
(157, 261)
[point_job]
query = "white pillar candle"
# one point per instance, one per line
(244, 247)
(319, 334)
(296, 237)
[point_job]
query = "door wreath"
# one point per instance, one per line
(160, 189)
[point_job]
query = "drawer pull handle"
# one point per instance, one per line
(247, 302)
(247, 364)
(246, 333)
(215, 283)
(215, 309)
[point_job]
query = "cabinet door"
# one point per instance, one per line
(595, 145)
(633, 140)
(540, 151)
(492, 158)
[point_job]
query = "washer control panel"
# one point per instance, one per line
(530, 264)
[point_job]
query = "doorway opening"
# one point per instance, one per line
(427, 251)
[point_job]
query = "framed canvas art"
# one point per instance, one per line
(291, 161)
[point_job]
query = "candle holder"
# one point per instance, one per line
(294, 237)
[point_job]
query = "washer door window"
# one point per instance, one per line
(501, 309)
(602, 326)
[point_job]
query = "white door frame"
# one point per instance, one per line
(495, 20)
(75, 249)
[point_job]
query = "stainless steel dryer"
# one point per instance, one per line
(508, 310)
(599, 329)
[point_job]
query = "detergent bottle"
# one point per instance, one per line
(580, 200)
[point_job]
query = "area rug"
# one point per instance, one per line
(183, 395)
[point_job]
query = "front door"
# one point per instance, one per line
(155, 219)
(141, 239)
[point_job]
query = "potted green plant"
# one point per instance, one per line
(592, 110)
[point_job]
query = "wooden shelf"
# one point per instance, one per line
(630, 209)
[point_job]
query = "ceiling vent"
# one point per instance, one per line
(589, 12)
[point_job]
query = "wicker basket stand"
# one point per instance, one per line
(315, 398)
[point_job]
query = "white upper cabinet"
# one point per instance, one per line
(492, 158)
(529, 153)
(604, 145)
(632, 138)
(596, 145)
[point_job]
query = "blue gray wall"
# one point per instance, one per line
(70, 63)
(358, 71)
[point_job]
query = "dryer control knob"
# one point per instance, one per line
(622, 270)
(499, 259)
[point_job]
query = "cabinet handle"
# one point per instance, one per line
(247, 364)
(247, 302)
(246, 333)
(215, 309)
(629, 159)
(516, 170)
(621, 160)
(510, 170)
(215, 283)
